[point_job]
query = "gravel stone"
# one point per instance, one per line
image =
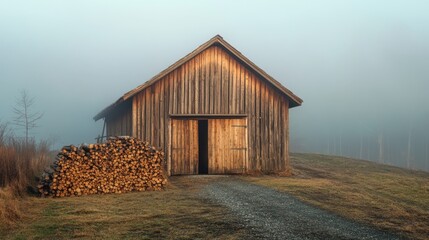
(270, 214)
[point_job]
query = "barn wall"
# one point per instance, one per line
(119, 121)
(214, 82)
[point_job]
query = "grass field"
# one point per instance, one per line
(386, 197)
(383, 196)
(177, 213)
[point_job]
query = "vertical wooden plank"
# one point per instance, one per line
(274, 133)
(147, 122)
(171, 94)
(219, 80)
(206, 59)
(186, 87)
(193, 91)
(197, 84)
(201, 84)
(173, 139)
(233, 86)
(220, 87)
(230, 81)
(271, 130)
(191, 147)
(238, 87)
(279, 141)
(143, 115)
(184, 144)
(208, 81)
(252, 128)
(167, 107)
(176, 90)
(246, 144)
(176, 136)
(262, 127)
(225, 81)
(161, 115)
(210, 146)
(250, 105)
(266, 127)
(155, 114)
(178, 147)
(216, 82)
(149, 126)
(181, 143)
(182, 91)
(243, 90)
(228, 137)
(216, 146)
(234, 144)
(287, 160)
(223, 140)
(169, 153)
(257, 130)
(134, 118)
(195, 145)
(138, 115)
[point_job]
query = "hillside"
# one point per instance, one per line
(387, 197)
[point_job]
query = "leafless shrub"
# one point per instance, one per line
(21, 160)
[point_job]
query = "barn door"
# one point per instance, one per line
(227, 141)
(184, 147)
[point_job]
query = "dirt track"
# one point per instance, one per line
(273, 215)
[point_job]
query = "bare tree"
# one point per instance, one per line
(25, 118)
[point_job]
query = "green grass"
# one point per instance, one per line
(387, 197)
(176, 213)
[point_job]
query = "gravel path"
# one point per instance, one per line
(275, 215)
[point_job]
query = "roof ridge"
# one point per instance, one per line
(216, 39)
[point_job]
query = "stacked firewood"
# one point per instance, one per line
(122, 164)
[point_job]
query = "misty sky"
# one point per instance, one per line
(356, 64)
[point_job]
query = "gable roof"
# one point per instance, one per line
(216, 40)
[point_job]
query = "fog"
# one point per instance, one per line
(361, 67)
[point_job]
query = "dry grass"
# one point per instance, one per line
(387, 197)
(176, 213)
(10, 209)
(20, 163)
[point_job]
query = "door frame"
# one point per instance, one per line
(204, 117)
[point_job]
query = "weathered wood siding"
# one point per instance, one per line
(214, 82)
(119, 122)
(184, 146)
(227, 139)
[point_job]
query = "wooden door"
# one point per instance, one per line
(184, 147)
(227, 143)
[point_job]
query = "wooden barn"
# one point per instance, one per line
(212, 112)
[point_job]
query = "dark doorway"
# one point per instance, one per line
(203, 144)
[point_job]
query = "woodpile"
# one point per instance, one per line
(120, 165)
